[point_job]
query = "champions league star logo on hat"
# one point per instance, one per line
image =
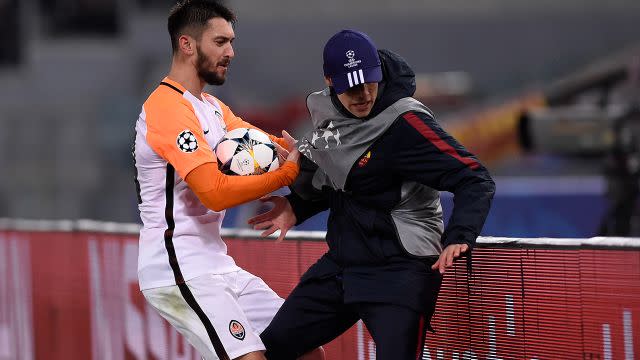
(362, 61)
(352, 62)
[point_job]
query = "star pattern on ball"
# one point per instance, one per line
(244, 151)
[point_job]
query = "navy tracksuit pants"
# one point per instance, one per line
(315, 313)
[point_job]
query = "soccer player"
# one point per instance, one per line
(377, 161)
(184, 270)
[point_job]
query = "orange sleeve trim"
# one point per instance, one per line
(174, 132)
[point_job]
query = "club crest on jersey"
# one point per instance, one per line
(364, 160)
(187, 142)
(236, 329)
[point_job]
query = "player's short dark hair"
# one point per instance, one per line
(192, 15)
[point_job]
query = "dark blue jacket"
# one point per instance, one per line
(364, 245)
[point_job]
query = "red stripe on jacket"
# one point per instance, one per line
(436, 140)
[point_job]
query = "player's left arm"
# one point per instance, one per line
(429, 155)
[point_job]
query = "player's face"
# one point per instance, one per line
(359, 99)
(215, 51)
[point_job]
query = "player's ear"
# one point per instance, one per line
(187, 44)
(328, 81)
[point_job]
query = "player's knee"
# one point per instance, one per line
(255, 355)
(315, 354)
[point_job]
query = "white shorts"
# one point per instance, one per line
(222, 315)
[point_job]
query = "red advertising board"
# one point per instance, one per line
(74, 295)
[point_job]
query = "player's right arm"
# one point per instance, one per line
(167, 119)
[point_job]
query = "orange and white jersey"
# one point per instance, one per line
(180, 238)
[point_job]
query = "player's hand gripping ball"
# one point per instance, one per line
(245, 151)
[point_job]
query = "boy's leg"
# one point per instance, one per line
(311, 316)
(398, 331)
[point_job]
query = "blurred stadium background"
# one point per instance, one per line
(75, 73)
(546, 93)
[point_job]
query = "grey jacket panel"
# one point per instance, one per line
(418, 219)
(337, 141)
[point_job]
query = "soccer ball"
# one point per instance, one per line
(245, 151)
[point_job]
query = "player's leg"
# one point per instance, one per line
(313, 314)
(258, 301)
(206, 312)
(260, 304)
(398, 331)
(172, 306)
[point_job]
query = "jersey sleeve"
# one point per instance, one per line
(218, 191)
(233, 122)
(175, 133)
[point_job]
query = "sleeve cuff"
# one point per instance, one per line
(296, 205)
(458, 239)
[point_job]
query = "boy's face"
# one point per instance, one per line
(359, 99)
